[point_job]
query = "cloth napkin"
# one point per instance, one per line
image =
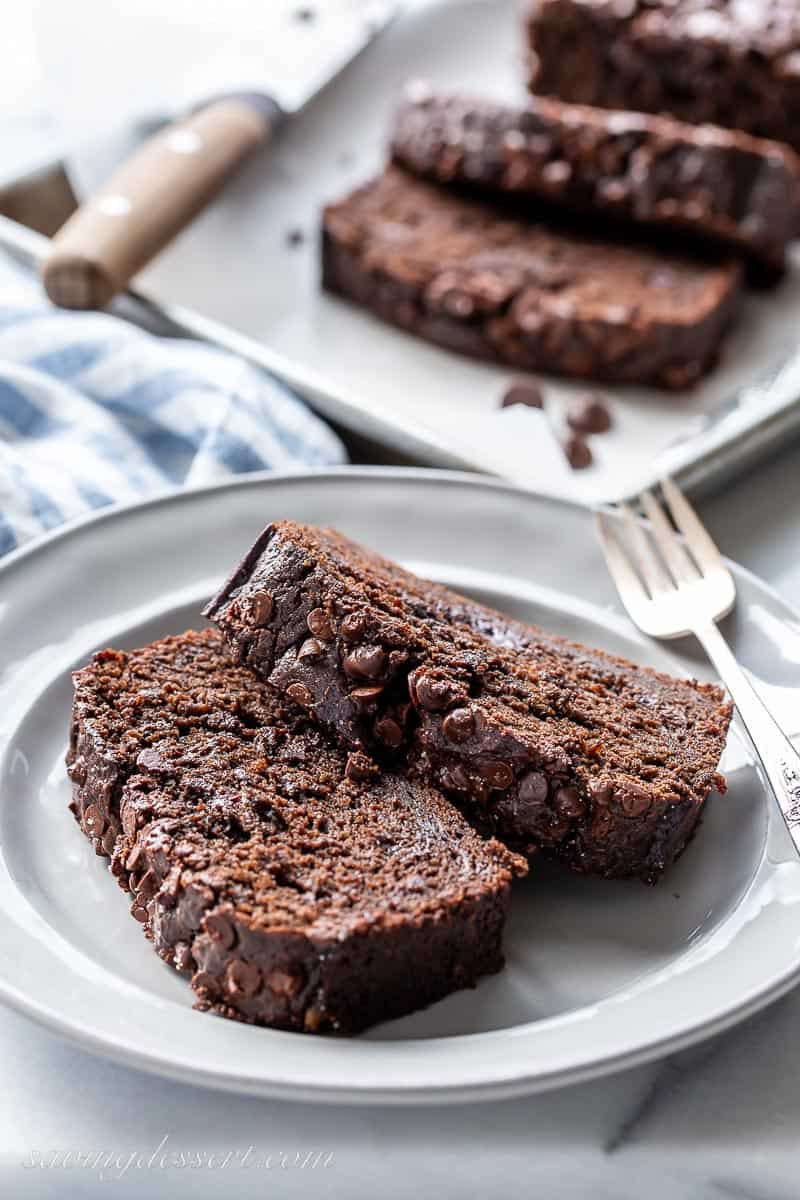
(94, 410)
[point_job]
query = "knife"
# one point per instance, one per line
(173, 175)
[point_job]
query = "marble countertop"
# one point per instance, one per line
(719, 1120)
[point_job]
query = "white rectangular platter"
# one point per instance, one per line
(251, 264)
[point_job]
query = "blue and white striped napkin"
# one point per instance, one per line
(94, 410)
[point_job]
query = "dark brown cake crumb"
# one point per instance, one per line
(603, 764)
(299, 888)
(466, 276)
(589, 414)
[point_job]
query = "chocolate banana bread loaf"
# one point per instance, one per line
(704, 181)
(477, 280)
(603, 764)
(299, 888)
(731, 63)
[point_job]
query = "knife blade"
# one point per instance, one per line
(171, 177)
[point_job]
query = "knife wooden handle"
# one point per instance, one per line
(149, 199)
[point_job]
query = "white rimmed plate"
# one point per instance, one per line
(599, 976)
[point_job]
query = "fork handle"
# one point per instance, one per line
(780, 760)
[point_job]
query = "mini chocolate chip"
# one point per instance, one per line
(139, 913)
(588, 414)
(359, 767)
(577, 452)
(133, 857)
(300, 694)
(319, 623)
(459, 725)
(282, 983)
(242, 978)
(365, 662)
(149, 759)
(533, 788)
(428, 692)
(183, 957)
(528, 394)
(390, 733)
(568, 803)
(295, 237)
(93, 820)
(601, 792)
(353, 626)
(220, 929)
(203, 981)
(496, 773)
(366, 695)
(310, 648)
(634, 801)
(147, 886)
(261, 606)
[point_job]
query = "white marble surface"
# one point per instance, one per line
(720, 1120)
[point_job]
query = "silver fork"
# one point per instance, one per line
(674, 586)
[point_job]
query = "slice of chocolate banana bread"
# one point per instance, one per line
(300, 888)
(703, 181)
(601, 763)
(732, 62)
(478, 280)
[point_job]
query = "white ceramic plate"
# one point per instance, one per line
(600, 975)
(422, 401)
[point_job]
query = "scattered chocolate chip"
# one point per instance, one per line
(359, 767)
(390, 733)
(300, 694)
(533, 788)
(577, 452)
(528, 394)
(242, 978)
(310, 648)
(139, 913)
(220, 929)
(94, 821)
(365, 662)
(459, 725)
(261, 606)
(496, 773)
(589, 414)
(295, 237)
(319, 623)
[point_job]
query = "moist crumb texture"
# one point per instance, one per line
(731, 63)
(653, 171)
(480, 281)
(599, 763)
(295, 891)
